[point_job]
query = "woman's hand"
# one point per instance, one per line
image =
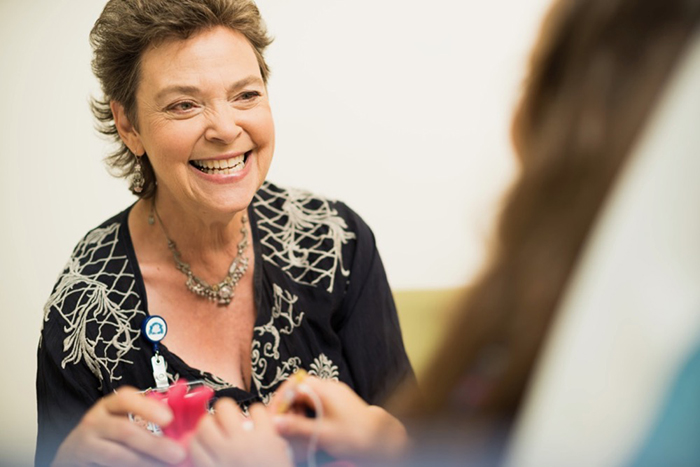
(349, 428)
(228, 438)
(106, 436)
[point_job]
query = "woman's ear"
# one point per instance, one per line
(126, 129)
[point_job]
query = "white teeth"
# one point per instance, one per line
(221, 166)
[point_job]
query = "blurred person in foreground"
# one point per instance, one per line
(596, 73)
(254, 281)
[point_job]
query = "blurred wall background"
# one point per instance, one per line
(400, 108)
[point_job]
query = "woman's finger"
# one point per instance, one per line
(289, 425)
(329, 388)
(209, 433)
(200, 454)
(229, 416)
(261, 418)
(129, 401)
(297, 395)
(284, 396)
(114, 454)
(126, 433)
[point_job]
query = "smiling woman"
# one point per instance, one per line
(254, 281)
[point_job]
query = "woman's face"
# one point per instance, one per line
(204, 120)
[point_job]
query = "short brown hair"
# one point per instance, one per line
(123, 32)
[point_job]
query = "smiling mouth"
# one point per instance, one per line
(221, 166)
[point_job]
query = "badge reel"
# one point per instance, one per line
(155, 328)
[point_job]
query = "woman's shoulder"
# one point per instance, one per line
(97, 273)
(305, 210)
(309, 237)
(100, 243)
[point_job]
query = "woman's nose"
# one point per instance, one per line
(222, 124)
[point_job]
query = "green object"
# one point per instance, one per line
(424, 315)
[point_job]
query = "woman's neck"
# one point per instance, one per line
(207, 242)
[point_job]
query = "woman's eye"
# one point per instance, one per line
(249, 95)
(182, 106)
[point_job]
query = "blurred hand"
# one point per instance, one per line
(226, 438)
(349, 428)
(107, 437)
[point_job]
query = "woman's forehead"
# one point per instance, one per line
(215, 55)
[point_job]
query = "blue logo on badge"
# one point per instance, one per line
(154, 328)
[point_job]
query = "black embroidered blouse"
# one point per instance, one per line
(322, 298)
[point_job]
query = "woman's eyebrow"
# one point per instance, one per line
(241, 83)
(176, 88)
(187, 89)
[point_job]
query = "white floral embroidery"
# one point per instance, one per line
(323, 368)
(304, 237)
(282, 321)
(266, 398)
(86, 282)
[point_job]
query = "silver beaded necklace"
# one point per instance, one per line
(223, 292)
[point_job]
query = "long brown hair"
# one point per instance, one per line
(595, 74)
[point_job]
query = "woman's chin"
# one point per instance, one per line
(226, 204)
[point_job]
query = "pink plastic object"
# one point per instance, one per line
(188, 407)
